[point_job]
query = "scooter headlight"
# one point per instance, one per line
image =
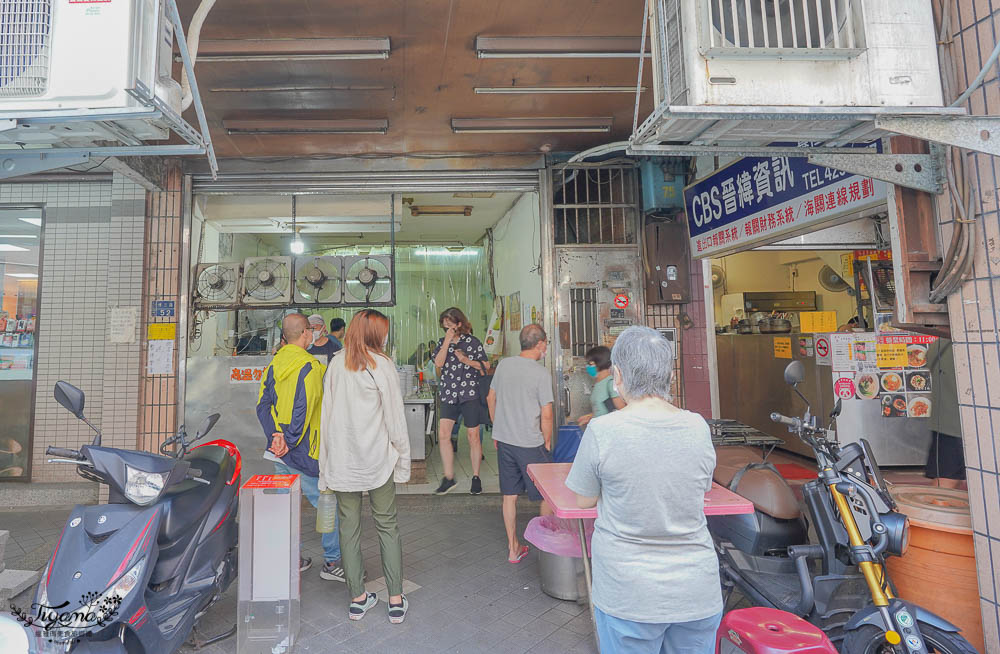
(63, 625)
(898, 532)
(143, 487)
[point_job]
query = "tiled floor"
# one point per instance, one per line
(463, 468)
(469, 598)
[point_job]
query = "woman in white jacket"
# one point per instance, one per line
(364, 446)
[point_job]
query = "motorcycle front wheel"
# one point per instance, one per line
(871, 640)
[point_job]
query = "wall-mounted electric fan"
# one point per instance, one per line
(216, 285)
(319, 280)
(368, 279)
(267, 280)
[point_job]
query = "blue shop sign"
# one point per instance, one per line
(758, 200)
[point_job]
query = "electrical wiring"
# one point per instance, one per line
(87, 170)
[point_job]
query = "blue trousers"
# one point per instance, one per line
(625, 636)
(310, 488)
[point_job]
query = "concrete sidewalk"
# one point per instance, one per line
(464, 598)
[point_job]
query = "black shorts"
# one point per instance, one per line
(513, 462)
(471, 412)
(945, 458)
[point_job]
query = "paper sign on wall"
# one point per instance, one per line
(814, 322)
(160, 358)
(891, 355)
(162, 331)
(823, 357)
(121, 324)
(782, 347)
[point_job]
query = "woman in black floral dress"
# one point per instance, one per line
(460, 361)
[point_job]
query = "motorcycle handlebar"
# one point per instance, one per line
(62, 452)
(784, 420)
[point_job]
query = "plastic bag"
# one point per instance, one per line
(557, 535)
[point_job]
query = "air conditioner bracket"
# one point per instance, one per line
(978, 133)
(918, 171)
(26, 163)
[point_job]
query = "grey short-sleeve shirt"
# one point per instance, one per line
(522, 388)
(653, 556)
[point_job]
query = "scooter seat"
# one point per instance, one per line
(768, 491)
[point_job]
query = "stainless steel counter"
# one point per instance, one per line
(751, 386)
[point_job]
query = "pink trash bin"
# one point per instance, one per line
(762, 630)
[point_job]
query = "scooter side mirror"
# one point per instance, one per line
(71, 397)
(795, 372)
(207, 425)
(837, 408)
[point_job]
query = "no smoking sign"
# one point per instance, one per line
(823, 351)
(621, 301)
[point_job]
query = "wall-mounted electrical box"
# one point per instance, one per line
(667, 262)
(662, 184)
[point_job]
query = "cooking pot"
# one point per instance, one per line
(775, 326)
(744, 327)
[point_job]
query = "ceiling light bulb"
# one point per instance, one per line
(298, 247)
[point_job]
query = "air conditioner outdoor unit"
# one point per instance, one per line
(85, 56)
(788, 70)
(864, 53)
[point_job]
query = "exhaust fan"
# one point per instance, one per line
(718, 277)
(831, 280)
(267, 280)
(319, 280)
(217, 285)
(368, 280)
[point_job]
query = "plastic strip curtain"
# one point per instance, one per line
(429, 279)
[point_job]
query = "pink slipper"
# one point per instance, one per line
(520, 555)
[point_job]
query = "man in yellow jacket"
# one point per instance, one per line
(288, 408)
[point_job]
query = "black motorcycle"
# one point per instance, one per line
(840, 583)
(135, 575)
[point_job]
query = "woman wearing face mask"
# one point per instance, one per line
(460, 360)
(364, 446)
(604, 398)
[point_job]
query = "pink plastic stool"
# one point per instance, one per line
(761, 630)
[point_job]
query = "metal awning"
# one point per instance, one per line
(407, 181)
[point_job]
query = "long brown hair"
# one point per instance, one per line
(364, 337)
(455, 315)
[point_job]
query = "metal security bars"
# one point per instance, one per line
(787, 28)
(25, 29)
(660, 316)
(595, 204)
(583, 325)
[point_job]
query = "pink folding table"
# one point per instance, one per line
(550, 480)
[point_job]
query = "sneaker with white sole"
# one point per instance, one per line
(446, 485)
(358, 609)
(333, 571)
(304, 563)
(397, 612)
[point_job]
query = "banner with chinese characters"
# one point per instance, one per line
(896, 373)
(758, 200)
(246, 375)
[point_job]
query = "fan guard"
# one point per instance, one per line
(217, 284)
(831, 280)
(267, 280)
(718, 277)
(369, 280)
(318, 280)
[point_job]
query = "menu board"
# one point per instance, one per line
(889, 368)
(813, 322)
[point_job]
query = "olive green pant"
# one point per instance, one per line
(383, 506)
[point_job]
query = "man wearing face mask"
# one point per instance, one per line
(604, 397)
(323, 346)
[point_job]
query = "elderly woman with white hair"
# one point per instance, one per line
(647, 468)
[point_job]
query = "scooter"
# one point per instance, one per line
(135, 575)
(840, 583)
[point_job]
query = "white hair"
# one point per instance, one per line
(645, 360)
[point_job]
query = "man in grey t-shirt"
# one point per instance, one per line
(520, 402)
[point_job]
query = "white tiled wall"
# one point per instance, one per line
(91, 262)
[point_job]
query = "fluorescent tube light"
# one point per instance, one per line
(18, 236)
(24, 275)
(321, 49)
(37, 222)
(533, 90)
(530, 125)
(251, 126)
(512, 47)
(6, 247)
(442, 252)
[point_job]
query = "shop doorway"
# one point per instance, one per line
(477, 250)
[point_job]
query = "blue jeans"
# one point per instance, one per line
(695, 637)
(310, 488)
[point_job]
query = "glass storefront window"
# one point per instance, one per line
(20, 244)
